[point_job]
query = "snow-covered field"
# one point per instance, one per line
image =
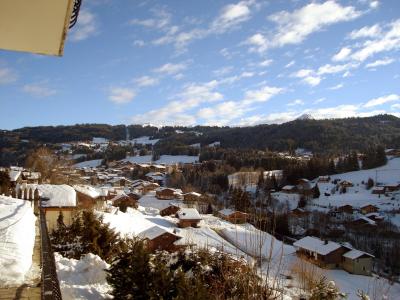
(144, 140)
(89, 164)
(164, 159)
(17, 238)
(82, 279)
(358, 195)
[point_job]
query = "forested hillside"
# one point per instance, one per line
(319, 136)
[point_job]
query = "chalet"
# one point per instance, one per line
(188, 217)
(31, 177)
(346, 184)
(143, 186)
(157, 238)
(347, 208)
(191, 197)
(289, 189)
(323, 179)
(363, 221)
(357, 262)
(392, 187)
(325, 254)
(168, 193)
(305, 187)
(170, 210)
(376, 217)
(233, 216)
(123, 201)
(378, 190)
(156, 177)
(369, 208)
(299, 212)
(57, 199)
(89, 197)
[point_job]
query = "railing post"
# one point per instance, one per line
(50, 284)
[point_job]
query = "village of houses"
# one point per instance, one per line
(169, 219)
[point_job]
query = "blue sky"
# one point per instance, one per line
(210, 62)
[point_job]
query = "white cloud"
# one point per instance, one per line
(291, 63)
(161, 19)
(170, 68)
(337, 87)
(39, 90)
(308, 76)
(265, 63)
(86, 27)
(382, 100)
(232, 15)
(139, 43)
(223, 71)
(176, 111)
(224, 113)
(387, 41)
(7, 75)
(380, 62)
(257, 42)
(395, 106)
(296, 102)
(342, 54)
(294, 27)
(366, 32)
(314, 78)
(146, 81)
(120, 95)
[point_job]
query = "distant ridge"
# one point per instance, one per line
(306, 117)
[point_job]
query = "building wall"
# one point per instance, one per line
(162, 242)
(188, 223)
(53, 213)
(360, 266)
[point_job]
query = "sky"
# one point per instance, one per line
(210, 62)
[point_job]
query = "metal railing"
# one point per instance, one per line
(50, 284)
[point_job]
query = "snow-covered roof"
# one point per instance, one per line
(193, 194)
(59, 195)
(353, 254)
(288, 187)
(314, 244)
(17, 238)
(88, 190)
(228, 211)
(14, 175)
(189, 214)
(153, 232)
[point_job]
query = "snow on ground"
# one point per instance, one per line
(84, 278)
(358, 195)
(376, 288)
(89, 164)
(17, 238)
(164, 159)
(58, 195)
(134, 222)
(256, 243)
(144, 140)
(286, 200)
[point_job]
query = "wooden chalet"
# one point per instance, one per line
(167, 193)
(157, 238)
(188, 217)
(358, 262)
(379, 190)
(347, 208)
(233, 216)
(324, 179)
(325, 254)
(346, 184)
(289, 189)
(369, 208)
